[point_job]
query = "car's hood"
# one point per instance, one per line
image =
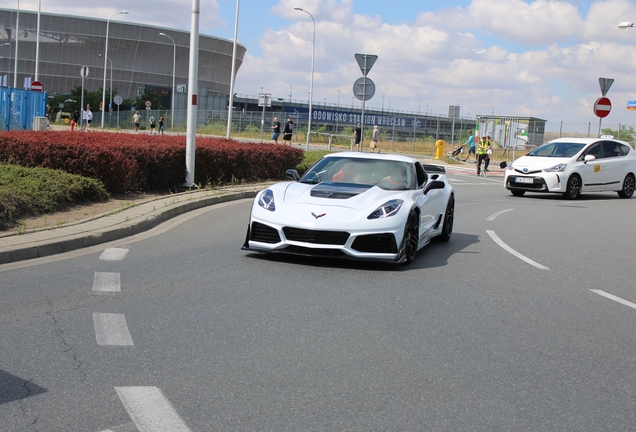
(534, 163)
(346, 195)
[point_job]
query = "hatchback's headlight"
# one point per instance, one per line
(266, 200)
(509, 167)
(557, 168)
(387, 209)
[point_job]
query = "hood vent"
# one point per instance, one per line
(338, 190)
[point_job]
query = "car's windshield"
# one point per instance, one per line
(387, 174)
(557, 149)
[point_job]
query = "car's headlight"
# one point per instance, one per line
(266, 200)
(557, 168)
(387, 209)
(509, 167)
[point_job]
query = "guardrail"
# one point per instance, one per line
(330, 135)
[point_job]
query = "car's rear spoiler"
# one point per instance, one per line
(434, 168)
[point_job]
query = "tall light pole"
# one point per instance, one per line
(625, 25)
(37, 42)
(233, 74)
(17, 38)
(174, 62)
(311, 85)
(106, 65)
(111, 90)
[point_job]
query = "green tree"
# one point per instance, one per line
(625, 133)
(150, 95)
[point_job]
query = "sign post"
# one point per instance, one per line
(602, 108)
(366, 62)
(84, 74)
(118, 100)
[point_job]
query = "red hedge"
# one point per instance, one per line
(132, 162)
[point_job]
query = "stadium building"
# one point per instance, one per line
(139, 58)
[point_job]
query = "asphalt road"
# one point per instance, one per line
(522, 322)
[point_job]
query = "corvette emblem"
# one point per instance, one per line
(317, 216)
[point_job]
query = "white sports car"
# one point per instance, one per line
(361, 206)
(572, 166)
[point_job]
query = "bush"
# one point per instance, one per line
(32, 191)
(135, 162)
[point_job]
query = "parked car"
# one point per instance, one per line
(572, 166)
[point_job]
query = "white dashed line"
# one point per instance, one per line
(514, 252)
(114, 254)
(493, 216)
(111, 329)
(150, 410)
(613, 297)
(106, 282)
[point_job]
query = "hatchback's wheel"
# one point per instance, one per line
(449, 216)
(628, 187)
(573, 189)
(411, 236)
(517, 192)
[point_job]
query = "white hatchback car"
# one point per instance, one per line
(572, 166)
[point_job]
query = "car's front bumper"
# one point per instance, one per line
(536, 182)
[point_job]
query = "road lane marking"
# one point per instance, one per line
(113, 254)
(106, 282)
(514, 252)
(494, 215)
(111, 329)
(613, 297)
(150, 410)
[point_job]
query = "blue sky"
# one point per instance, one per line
(524, 58)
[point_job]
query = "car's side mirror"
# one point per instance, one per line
(589, 158)
(292, 174)
(435, 184)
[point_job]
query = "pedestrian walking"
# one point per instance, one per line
(482, 155)
(136, 121)
(288, 132)
(153, 124)
(160, 125)
(471, 146)
(357, 136)
(374, 139)
(275, 130)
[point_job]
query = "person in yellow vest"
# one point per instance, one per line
(482, 155)
(440, 144)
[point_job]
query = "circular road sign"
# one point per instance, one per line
(84, 71)
(602, 107)
(118, 100)
(36, 86)
(362, 90)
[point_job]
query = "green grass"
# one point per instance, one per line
(34, 191)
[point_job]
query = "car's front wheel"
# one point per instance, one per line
(628, 187)
(411, 236)
(573, 189)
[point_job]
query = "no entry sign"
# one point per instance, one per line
(36, 86)
(602, 107)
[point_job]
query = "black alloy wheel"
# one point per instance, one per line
(573, 189)
(411, 236)
(628, 187)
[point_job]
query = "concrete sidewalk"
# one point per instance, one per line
(115, 225)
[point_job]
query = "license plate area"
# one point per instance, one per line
(524, 180)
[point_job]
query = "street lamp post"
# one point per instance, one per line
(106, 65)
(174, 62)
(17, 38)
(311, 85)
(625, 25)
(110, 104)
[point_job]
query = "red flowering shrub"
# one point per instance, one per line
(131, 162)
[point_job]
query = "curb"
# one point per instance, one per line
(44, 248)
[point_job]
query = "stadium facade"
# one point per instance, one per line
(141, 58)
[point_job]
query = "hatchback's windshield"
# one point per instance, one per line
(394, 175)
(557, 149)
